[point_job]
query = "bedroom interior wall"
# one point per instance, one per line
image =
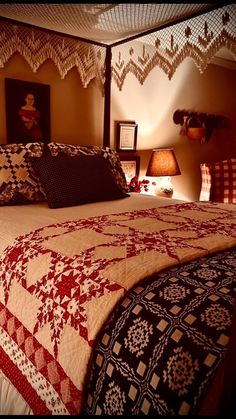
(153, 104)
(76, 112)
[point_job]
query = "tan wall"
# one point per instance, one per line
(76, 112)
(153, 104)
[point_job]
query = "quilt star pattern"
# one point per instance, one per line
(60, 283)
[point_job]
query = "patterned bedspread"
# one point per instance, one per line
(161, 348)
(58, 285)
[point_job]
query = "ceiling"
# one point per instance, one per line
(105, 23)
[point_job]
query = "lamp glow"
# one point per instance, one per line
(163, 165)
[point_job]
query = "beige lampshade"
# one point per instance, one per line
(163, 163)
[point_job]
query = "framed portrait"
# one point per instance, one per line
(27, 111)
(127, 136)
(130, 166)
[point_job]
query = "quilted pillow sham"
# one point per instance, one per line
(75, 180)
(219, 181)
(111, 155)
(19, 183)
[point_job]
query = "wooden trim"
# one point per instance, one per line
(63, 34)
(107, 99)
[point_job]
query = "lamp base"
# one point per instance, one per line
(164, 187)
(167, 193)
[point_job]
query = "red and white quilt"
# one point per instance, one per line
(59, 283)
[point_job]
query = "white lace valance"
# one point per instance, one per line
(36, 46)
(198, 38)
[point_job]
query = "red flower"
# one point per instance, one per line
(136, 185)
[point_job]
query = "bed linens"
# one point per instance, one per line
(163, 344)
(60, 281)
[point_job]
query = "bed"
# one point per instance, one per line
(79, 280)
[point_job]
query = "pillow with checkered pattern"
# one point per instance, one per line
(111, 155)
(19, 183)
(219, 181)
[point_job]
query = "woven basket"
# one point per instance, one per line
(195, 129)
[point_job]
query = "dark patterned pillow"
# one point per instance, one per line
(19, 183)
(74, 180)
(111, 155)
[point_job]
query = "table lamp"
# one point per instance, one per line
(163, 165)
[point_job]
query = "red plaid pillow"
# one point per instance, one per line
(206, 182)
(219, 181)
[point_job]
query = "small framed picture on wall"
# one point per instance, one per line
(27, 111)
(127, 136)
(130, 166)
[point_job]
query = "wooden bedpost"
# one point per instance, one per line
(107, 99)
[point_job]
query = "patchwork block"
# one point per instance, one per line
(19, 183)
